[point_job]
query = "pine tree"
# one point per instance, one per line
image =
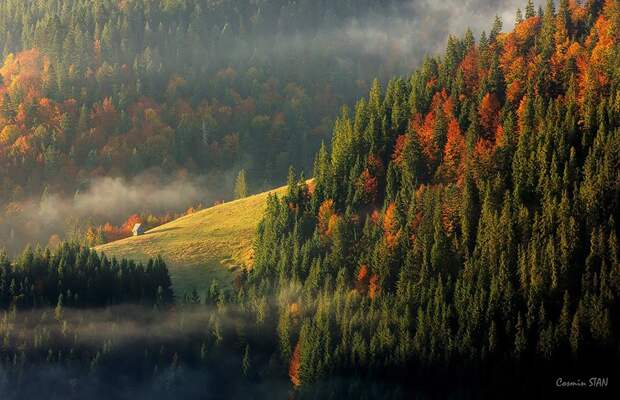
(469, 214)
(241, 190)
(520, 344)
(496, 29)
(519, 16)
(575, 333)
(245, 362)
(58, 311)
(284, 336)
(529, 10)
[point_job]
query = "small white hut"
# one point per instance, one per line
(138, 229)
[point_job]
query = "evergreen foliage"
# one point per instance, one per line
(491, 242)
(241, 187)
(76, 276)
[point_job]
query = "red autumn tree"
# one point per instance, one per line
(489, 113)
(294, 366)
(362, 279)
(369, 186)
(453, 151)
(129, 224)
(526, 31)
(425, 132)
(469, 67)
(112, 233)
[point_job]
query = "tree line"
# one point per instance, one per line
(76, 276)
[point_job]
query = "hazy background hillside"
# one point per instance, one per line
(111, 100)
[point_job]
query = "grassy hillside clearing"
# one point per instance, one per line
(209, 244)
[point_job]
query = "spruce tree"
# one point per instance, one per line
(241, 189)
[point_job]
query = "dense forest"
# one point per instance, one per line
(93, 89)
(464, 219)
(459, 239)
(89, 87)
(76, 276)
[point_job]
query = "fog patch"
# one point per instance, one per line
(108, 199)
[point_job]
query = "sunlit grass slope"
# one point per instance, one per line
(209, 244)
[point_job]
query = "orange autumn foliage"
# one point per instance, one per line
(399, 150)
(375, 217)
(513, 66)
(362, 273)
(431, 83)
(578, 12)
(326, 211)
(23, 72)
(361, 284)
(453, 151)
(49, 112)
(129, 224)
(331, 225)
(526, 30)
(22, 145)
(521, 113)
(483, 153)
(441, 106)
(373, 287)
(294, 366)
(311, 186)
(391, 226)
(499, 135)
(514, 91)
(469, 67)
(448, 105)
(112, 233)
(595, 72)
(294, 309)
(424, 129)
(489, 113)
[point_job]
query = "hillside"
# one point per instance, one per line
(133, 88)
(465, 216)
(200, 247)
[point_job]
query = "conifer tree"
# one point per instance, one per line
(241, 189)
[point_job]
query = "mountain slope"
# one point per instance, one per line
(206, 245)
(464, 216)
